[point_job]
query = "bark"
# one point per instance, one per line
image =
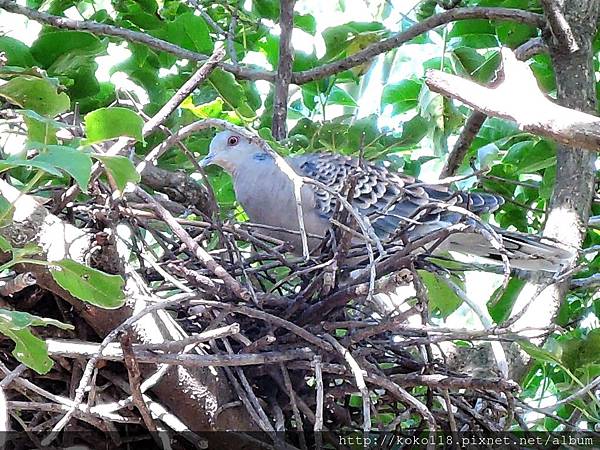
(284, 70)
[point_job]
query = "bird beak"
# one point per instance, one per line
(207, 160)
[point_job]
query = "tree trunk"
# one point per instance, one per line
(575, 172)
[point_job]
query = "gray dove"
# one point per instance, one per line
(390, 202)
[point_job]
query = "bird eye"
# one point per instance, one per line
(233, 140)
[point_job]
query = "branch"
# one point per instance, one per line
(244, 72)
(188, 87)
(591, 282)
(358, 58)
(69, 348)
(559, 26)
(477, 118)
(284, 70)
(532, 112)
(102, 29)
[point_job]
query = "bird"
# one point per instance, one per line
(392, 203)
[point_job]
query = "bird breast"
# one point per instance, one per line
(267, 196)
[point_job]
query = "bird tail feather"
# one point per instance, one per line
(524, 251)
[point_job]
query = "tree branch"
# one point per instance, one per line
(102, 29)
(358, 58)
(284, 70)
(188, 87)
(533, 112)
(477, 118)
(244, 72)
(559, 26)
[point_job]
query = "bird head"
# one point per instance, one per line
(231, 150)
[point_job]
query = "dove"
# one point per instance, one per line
(394, 204)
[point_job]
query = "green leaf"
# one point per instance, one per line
(38, 94)
(5, 246)
(513, 34)
(269, 9)
(121, 170)
(529, 157)
(29, 349)
(305, 22)
(580, 352)
(472, 33)
(413, 131)
(404, 96)
(338, 38)
(29, 249)
(75, 162)
(40, 128)
(486, 155)
(355, 400)
(7, 210)
(538, 353)
(231, 92)
(90, 285)
(17, 53)
(501, 309)
(441, 296)
(187, 31)
(542, 68)
(109, 123)
(49, 46)
(204, 110)
(472, 63)
(11, 163)
(18, 320)
(105, 96)
(338, 96)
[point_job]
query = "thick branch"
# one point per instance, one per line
(532, 112)
(559, 26)
(477, 118)
(284, 70)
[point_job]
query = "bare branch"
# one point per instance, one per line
(188, 87)
(284, 69)
(463, 143)
(533, 112)
(477, 118)
(357, 371)
(559, 26)
(79, 349)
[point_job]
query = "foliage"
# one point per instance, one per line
(51, 82)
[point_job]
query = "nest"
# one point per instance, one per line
(309, 347)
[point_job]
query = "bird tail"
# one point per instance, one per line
(524, 251)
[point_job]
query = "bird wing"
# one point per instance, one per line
(390, 200)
